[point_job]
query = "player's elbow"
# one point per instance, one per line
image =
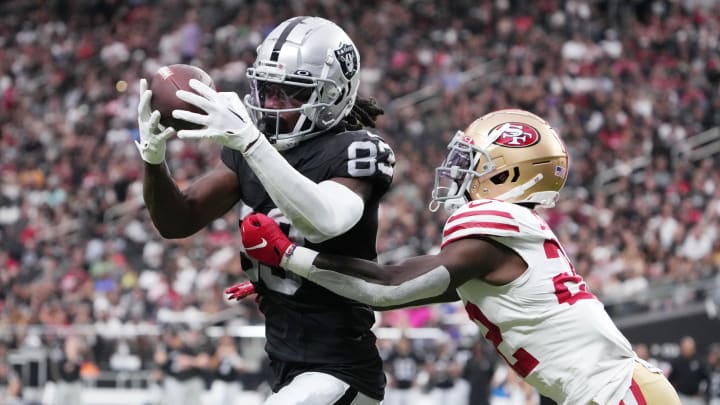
(321, 235)
(166, 235)
(173, 231)
(326, 226)
(334, 215)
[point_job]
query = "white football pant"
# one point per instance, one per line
(313, 388)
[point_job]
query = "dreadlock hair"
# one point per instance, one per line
(363, 114)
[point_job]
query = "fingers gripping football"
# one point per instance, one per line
(224, 120)
(152, 136)
(263, 239)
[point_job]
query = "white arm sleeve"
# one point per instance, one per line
(427, 285)
(320, 211)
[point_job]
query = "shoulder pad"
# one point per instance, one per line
(493, 218)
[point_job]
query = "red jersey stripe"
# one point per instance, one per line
(474, 204)
(481, 224)
(495, 213)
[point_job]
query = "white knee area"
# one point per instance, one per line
(311, 388)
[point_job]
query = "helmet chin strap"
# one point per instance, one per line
(451, 204)
(521, 189)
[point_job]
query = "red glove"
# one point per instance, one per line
(240, 291)
(263, 239)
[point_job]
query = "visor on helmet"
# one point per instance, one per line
(453, 177)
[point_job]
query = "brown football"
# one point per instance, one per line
(166, 81)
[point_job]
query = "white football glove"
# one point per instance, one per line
(226, 120)
(153, 136)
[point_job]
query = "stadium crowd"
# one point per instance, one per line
(627, 84)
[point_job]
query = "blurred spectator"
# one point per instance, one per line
(123, 359)
(10, 384)
(478, 372)
(643, 353)
(403, 366)
(699, 241)
(688, 373)
(713, 366)
(227, 366)
(184, 362)
(444, 370)
(509, 389)
(65, 365)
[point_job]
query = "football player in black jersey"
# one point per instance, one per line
(296, 149)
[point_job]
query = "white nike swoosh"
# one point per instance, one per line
(258, 246)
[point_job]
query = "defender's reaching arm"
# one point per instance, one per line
(419, 280)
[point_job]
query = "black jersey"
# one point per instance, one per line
(172, 366)
(308, 326)
(404, 368)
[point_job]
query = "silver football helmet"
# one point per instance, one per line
(312, 60)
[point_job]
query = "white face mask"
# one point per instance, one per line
(451, 204)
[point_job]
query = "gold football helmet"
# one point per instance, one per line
(509, 155)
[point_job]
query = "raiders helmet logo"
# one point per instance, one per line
(516, 135)
(348, 58)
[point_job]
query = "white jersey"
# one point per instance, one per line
(548, 327)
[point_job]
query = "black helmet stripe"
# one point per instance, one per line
(283, 37)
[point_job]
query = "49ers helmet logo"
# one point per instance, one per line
(515, 135)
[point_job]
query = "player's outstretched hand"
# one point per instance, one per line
(239, 291)
(153, 137)
(226, 119)
(263, 239)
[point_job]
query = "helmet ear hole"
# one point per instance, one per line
(500, 178)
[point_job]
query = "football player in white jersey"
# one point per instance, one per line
(503, 261)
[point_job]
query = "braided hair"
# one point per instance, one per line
(363, 114)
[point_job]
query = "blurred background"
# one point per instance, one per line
(93, 300)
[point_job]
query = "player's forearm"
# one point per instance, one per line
(166, 203)
(450, 295)
(320, 211)
(420, 279)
